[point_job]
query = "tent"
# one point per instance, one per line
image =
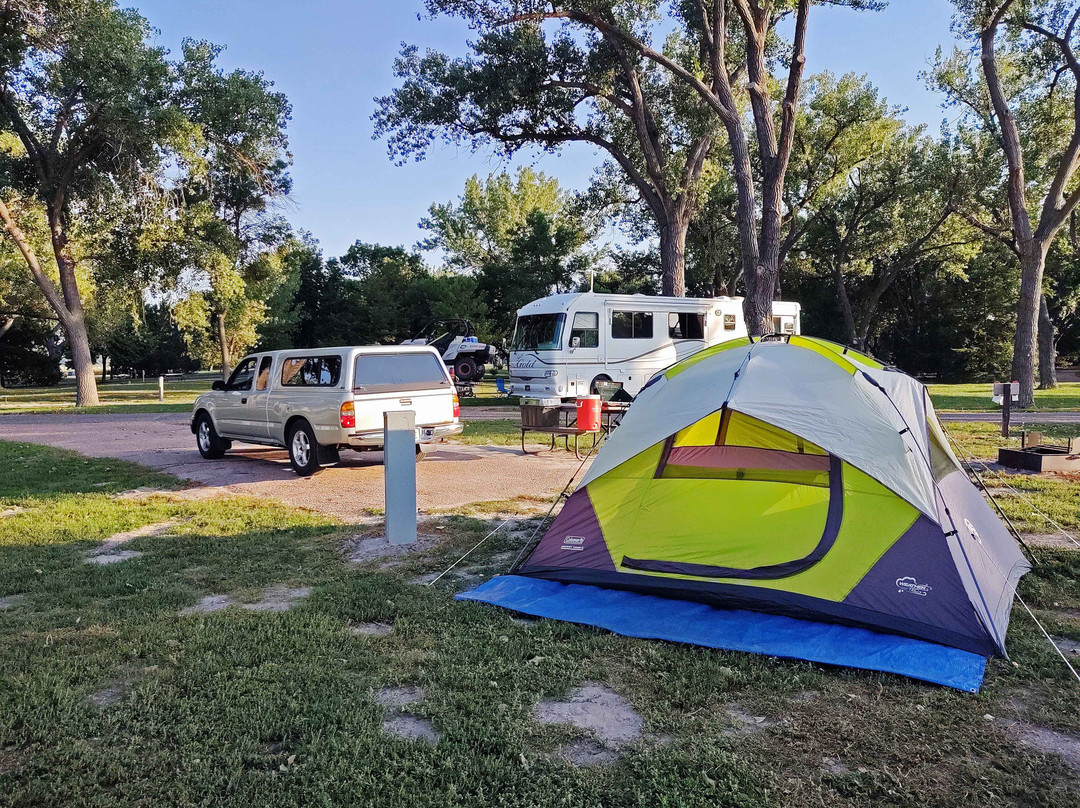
(793, 497)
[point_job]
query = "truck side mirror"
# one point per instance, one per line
(218, 385)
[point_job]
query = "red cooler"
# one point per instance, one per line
(588, 413)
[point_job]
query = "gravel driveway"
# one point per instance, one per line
(450, 477)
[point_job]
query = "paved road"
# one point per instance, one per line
(450, 477)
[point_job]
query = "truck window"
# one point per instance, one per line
(263, 379)
(538, 332)
(242, 376)
(587, 329)
(686, 325)
(311, 371)
(382, 373)
(631, 325)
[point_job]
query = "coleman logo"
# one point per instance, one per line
(912, 587)
(971, 529)
(573, 543)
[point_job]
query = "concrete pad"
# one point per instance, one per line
(596, 708)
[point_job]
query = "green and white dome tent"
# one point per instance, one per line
(794, 478)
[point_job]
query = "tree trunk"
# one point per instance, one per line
(226, 361)
(1047, 358)
(673, 257)
(757, 305)
(104, 365)
(6, 325)
(1032, 263)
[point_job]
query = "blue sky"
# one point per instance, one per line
(333, 57)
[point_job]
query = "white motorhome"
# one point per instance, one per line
(566, 343)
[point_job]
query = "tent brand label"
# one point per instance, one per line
(971, 529)
(912, 587)
(573, 543)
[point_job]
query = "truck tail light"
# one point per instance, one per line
(348, 415)
(457, 406)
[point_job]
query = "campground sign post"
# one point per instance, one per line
(1009, 392)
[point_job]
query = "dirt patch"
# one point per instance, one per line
(211, 603)
(586, 753)
(278, 599)
(114, 557)
(1070, 648)
(597, 709)
(11, 601)
(1051, 742)
(1050, 541)
(744, 723)
(371, 629)
(411, 728)
(834, 766)
(109, 553)
(13, 511)
(399, 696)
(108, 696)
(361, 549)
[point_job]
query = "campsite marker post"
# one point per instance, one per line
(1006, 390)
(161, 388)
(399, 476)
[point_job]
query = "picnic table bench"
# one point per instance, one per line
(560, 420)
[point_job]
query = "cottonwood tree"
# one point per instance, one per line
(524, 85)
(894, 215)
(733, 44)
(87, 97)
(1027, 98)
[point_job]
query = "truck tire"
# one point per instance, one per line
(465, 369)
(303, 449)
(211, 445)
(480, 371)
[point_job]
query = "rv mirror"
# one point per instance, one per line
(575, 342)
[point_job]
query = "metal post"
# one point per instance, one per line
(161, 389)
(399, 475)
(1006, 410)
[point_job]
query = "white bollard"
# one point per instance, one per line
(161, 389)
(399, 476)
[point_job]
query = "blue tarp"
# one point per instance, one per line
(651, 617)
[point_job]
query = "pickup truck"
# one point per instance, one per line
(315, 402)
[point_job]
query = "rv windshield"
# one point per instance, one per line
(538, 332)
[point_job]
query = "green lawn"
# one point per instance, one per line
(110, 697)
(976, 397)
(119, 396)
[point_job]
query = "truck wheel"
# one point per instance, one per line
(465, 369)
(211, 445)
(303, 449)
(480, 371)
(603, 377)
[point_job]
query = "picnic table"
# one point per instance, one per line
(561, 420)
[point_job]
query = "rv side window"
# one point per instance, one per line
(587, 329)
(631, 325)
(686, 325)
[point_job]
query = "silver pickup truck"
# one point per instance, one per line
(316, 402)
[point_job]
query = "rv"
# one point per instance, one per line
(565, 344)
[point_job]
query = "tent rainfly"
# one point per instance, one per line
(794, 498)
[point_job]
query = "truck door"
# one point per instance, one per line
(256, 415)
(231, 412)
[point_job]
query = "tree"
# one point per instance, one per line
(237, 158)
(87, 98)
(526, 86)
(1027, 63)
(520, 238)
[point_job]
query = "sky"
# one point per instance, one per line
(332, 58)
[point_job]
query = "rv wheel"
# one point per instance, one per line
(480, 371)
(603, 377)
(464, 369)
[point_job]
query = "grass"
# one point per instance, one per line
(116, 397)
(278, 709)
(976, 397)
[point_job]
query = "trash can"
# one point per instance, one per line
(588, 413)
